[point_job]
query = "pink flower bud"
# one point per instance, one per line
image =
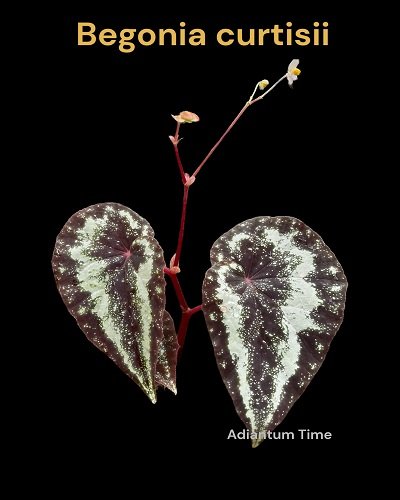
(186, 117)
(172, 268)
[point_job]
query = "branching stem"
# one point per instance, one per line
(187, 180)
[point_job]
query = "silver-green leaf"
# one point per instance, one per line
(273, 301)
(109, 271)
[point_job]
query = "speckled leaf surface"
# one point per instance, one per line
(273, 301)
(109, 271)
(167, 355)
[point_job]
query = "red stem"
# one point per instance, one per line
(187, 312)
(182, 226)
(178, 160)
(183, 326)
(178, 289)
(196, 309)
(177, 155)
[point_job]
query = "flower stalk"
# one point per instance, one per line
(187, 180)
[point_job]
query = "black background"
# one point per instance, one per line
(110, 121)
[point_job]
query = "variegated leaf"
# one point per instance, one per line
(109, 271)
(273, 301)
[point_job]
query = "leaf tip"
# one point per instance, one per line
(152, 396)
(168, 384)
(172, 387)
(256, 442)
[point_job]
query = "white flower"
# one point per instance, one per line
(263, 84)
(293, 71)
